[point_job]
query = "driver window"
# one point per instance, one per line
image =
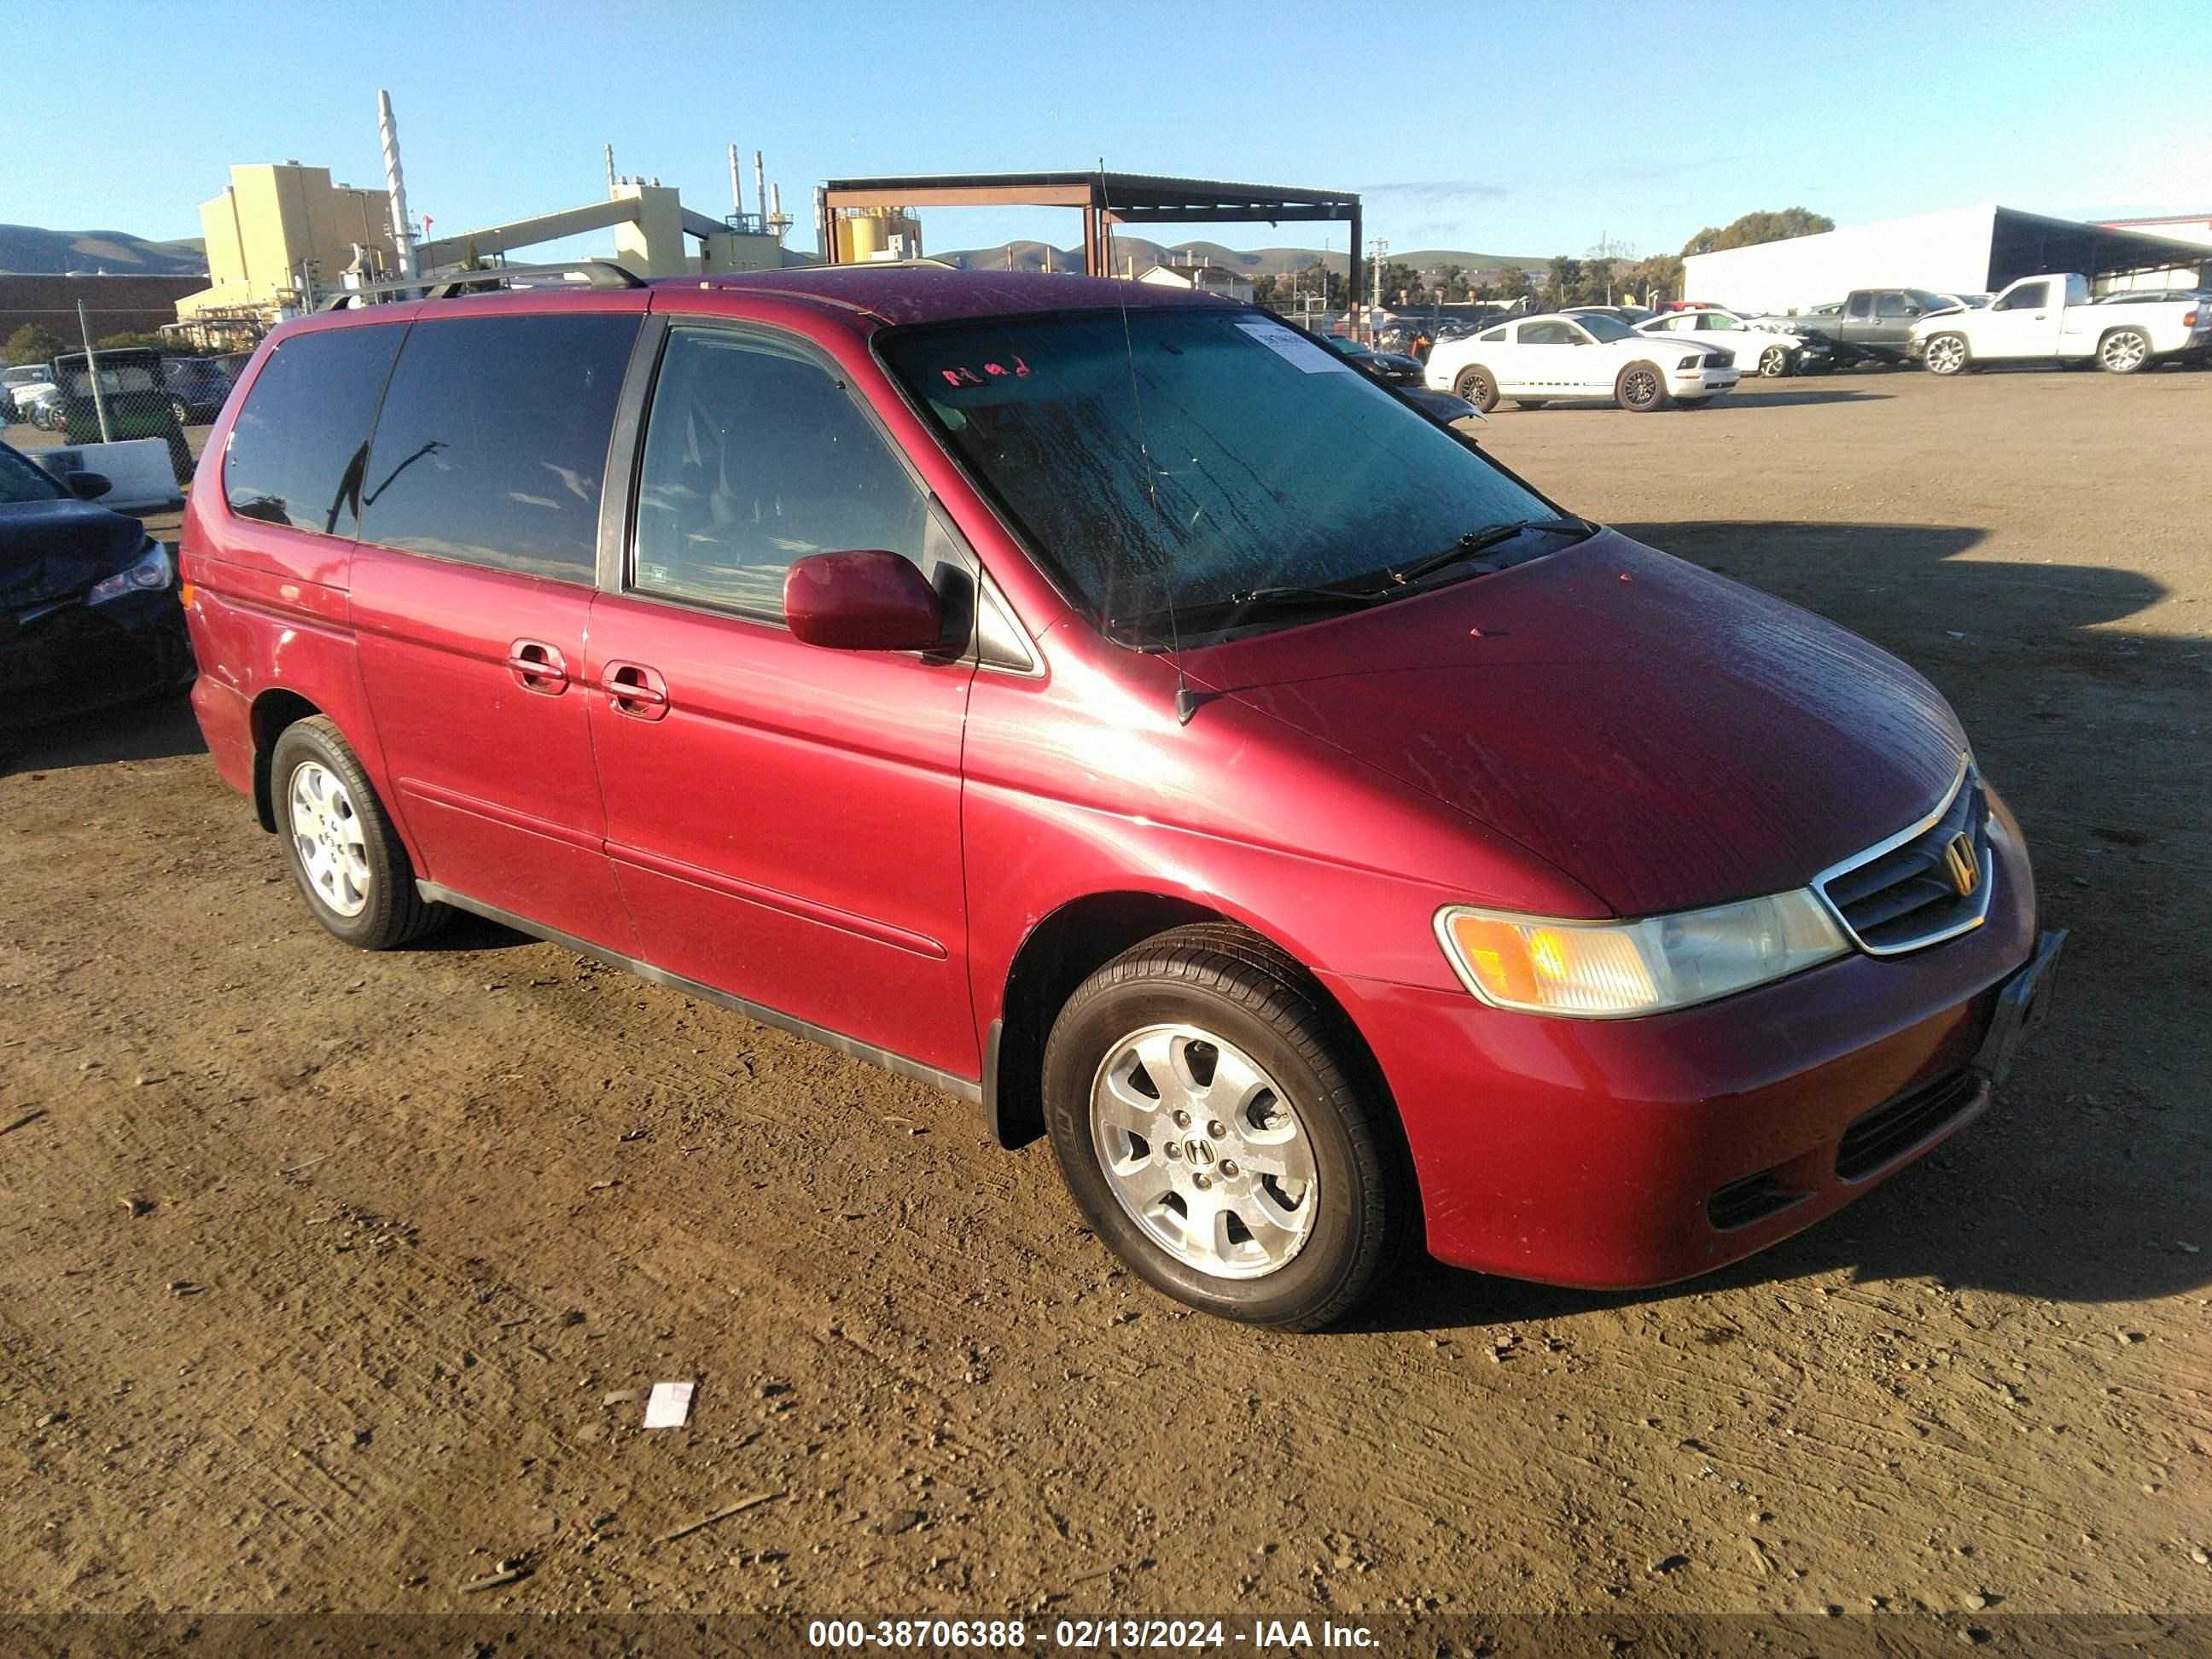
(1711, 322)
(1554, 333)
(1861, 305)
(2024, 299)
(755, 456)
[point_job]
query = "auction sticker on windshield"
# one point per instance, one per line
(1293, 347)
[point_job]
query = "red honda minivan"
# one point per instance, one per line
(1107, 705)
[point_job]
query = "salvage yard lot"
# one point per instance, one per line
(317, 1268)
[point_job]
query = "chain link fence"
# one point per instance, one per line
(116, 395)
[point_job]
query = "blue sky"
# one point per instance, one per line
(1525, 130)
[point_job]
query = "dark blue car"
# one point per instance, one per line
(89, 609)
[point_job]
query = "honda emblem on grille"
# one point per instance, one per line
(1965, 870)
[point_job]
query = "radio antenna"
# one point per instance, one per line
(1186, 699)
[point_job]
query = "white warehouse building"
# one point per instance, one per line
(1976, 249)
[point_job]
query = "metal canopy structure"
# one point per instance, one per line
(2030, 244)
(1105, 199)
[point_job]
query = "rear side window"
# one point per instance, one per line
(296, 449)
(493, 442)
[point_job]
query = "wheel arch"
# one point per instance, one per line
(272, 711)
(1071, 943)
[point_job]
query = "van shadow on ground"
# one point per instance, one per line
(2085, 1183)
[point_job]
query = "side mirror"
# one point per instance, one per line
(88, 486)
(865, 601)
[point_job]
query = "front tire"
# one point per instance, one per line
(1947, 354)
(1774, 362)
(345, 857)
(1641, 389)
(1474, 384)
(1215, 1127)
(2123, 351)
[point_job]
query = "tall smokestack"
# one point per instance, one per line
(737, 183)
(610, 173)
(775, 210)
(760, 184)
(395, 185)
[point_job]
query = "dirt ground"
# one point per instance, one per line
(319, 1268)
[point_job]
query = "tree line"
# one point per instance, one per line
(1567, 281)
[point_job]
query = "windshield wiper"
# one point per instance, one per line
(1284, 598)
(1480, 541)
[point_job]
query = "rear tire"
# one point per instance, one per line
(345, 857)
(1475, 386)
(2123, 351)
(1256, 1178)
(1641, 389)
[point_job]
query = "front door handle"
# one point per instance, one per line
(634, 689)
(537, 666)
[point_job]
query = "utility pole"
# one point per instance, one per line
(92, 371)
(1376, 252)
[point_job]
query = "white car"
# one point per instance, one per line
(1768, 348)
(21, 386)
(1536, 361)
(2053, 318)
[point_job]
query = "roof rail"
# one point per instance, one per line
(594, 273)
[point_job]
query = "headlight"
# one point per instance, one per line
(151, 571)
(1612, 970)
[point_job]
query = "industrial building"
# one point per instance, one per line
(283, 238)
(278, 234)
(1976, 249)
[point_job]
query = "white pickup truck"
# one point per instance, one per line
(2051, 317)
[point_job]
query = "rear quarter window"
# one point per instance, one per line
(493, 442)
(297, 446)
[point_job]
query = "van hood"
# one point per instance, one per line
(1666, 737)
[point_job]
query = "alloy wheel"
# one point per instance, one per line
(1947, 354)
(2124, 353)
(1203, 1150)
(1774, 362)
(1640, 388)
(328, 835)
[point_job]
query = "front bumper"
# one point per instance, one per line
(1702, 383)
(67, 656)
(1620, 1153)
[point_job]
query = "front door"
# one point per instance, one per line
(784, 819)
(1551, 356)
(472, 591)
(2024, 321)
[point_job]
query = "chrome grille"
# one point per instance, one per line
(1902, 894)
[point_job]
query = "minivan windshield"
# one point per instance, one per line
(1207, 458)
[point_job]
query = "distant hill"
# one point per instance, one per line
(27, 249)
(1256, 262)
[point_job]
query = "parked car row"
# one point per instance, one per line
(143, 384)
(2050, 317)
